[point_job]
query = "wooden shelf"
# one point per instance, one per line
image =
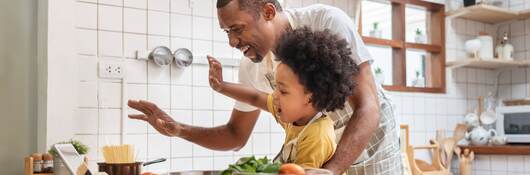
(399, 44)
(427, 47)
(28, 167)
(501, 149)
(383, 42)
(484, 64)
(414, 89)
(484, 13)
(524, 14)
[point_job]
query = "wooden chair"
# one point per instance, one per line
(420, 167)
(403, 142)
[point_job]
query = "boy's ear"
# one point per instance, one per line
(309, 98)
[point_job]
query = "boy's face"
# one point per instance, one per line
(290, 98)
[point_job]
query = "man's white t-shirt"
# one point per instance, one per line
(317, 17)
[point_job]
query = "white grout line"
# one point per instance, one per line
(202, 60)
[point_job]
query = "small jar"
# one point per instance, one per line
(37, 162)
(47, 166)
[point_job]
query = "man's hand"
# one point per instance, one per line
(162, 122)
(215, 74)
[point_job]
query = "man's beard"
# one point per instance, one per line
(258, 58)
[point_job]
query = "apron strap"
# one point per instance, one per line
(294, 141)
(269, 75)
(316, 117)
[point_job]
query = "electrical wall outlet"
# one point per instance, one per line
(111, 69)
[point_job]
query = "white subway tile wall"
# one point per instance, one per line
(115, 29)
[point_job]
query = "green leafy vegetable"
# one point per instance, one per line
(251, 165)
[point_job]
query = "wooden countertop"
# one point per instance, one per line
(515, 149)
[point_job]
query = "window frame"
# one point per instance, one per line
(435, 61)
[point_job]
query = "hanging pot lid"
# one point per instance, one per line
(161, 55)
(183, 57)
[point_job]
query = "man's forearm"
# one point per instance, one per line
(231, 136)
(219, 138)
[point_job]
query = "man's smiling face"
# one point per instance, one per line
(250, 33)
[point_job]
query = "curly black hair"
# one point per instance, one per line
(322, 61)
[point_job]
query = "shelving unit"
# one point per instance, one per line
(501, 149)
(485, 64)
(28, 167)
(524, 14)
(485, 13)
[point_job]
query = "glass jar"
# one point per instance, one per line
(47, 166)
(37, 163)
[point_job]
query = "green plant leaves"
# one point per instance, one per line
(251, 165)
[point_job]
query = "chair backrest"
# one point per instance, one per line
(404, 144)
(419, 167)
(404, 139)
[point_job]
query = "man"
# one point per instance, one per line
(367, 130)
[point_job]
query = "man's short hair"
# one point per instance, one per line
(252, 6)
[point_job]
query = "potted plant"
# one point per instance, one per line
(419, 81)
(379, 76)
(375, 32)
(58, 165)
(420, 38)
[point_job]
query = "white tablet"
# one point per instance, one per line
(74, 162)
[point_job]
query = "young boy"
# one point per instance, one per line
(314, 77)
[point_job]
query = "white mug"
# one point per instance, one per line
(498, 140)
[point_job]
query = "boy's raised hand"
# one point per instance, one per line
(215, 76)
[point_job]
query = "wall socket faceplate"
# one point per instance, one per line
(111, 69)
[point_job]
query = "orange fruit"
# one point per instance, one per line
(148, 173)
(291, 169)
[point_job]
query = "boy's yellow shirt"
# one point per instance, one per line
(316, 145)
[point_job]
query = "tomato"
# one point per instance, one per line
(291, 169)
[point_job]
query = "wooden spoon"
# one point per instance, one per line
(457, 151)
(460, 132)
(448, 148)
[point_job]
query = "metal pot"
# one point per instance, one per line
(125, 168)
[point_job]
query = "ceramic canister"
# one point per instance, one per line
(486, 49)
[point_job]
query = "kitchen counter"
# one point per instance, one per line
(196, 173)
